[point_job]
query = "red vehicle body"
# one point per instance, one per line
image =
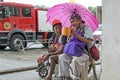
(22, 23)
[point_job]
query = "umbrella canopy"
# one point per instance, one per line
(64, 11)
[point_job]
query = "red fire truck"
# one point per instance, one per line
(22, 23)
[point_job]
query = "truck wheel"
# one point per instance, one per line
(2, 47)
(15, 42)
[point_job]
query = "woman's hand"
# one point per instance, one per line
(73, 30)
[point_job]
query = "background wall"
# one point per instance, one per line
(111, 40)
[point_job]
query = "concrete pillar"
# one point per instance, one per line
(111, 40)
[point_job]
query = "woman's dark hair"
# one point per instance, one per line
(56, 24)
(75, 16)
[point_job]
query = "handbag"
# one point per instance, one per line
(95, 54)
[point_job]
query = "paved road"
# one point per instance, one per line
(11, 64)
(16, 59)
(25, 75)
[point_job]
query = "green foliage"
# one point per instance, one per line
(92, 9)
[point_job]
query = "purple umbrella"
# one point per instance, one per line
(64, 11)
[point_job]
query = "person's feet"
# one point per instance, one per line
(48, 78)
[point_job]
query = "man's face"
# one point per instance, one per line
(58, 28)
(75, 22)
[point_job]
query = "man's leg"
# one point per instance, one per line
(64, 66)
(53, 62)
(77, 64)
(76, 68)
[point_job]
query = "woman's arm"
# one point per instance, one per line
(83, 39)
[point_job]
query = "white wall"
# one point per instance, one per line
(111, 40)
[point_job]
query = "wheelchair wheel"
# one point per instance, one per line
(43, 69)
(43, 72)
(89, 68)
(63, 78)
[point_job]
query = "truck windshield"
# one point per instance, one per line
(1, 16)
(6, 11)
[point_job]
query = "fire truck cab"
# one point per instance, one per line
(21, 23)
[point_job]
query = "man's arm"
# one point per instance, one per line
(60, 50)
